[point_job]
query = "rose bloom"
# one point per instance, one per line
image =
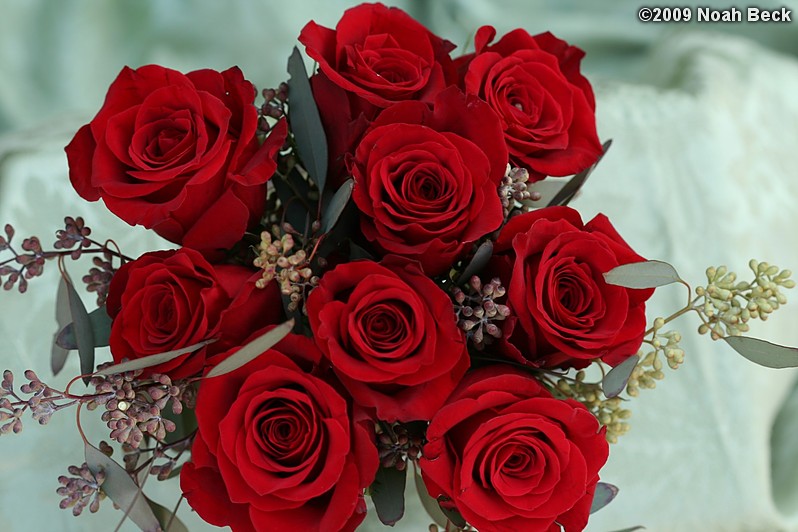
(426, 179)
(509, 457)
(167, 300)
(178, 154)
(390, 335)
(380, 54)
(562, 310)
(546, 106)
(278, 448)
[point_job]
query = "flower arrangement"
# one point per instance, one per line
(368, 282)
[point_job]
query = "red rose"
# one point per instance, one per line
(563, 312)
(277, 448)
(391, 337)
(426, 178)
(251, 308)
(545, 105)
(177, 154)
(380, 54)
(511, 457)
(167, 300)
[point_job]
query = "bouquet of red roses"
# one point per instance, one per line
(368, 278)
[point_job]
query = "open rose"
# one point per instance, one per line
(546, 106)
(563, 312)
(380, 54)
(178, 154)
(390, 335)
(278, 449)
(167, 300)
(426, 178)
(511, 457)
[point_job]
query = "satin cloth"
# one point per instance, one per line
(703, 171)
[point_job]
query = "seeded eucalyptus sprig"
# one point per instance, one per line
(514, 191)
(273, 107)
(27, 261)
(477, 310)
(135, 406)
(399, 443)
(35, 396)
(83, 489)
(290, 267)
(724, 306)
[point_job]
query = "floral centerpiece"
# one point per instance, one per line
(367, 282)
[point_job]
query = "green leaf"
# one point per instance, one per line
(337, 205)
(478, 261)
(764, 353)
(646, 274)
(303, 115)
(356, 252)
(175, 472)
(252, 350)
(294, 194)
(603, 495)
(165, 517)
(547, 188)
(631, 529)
(84, 336)
(388, 494)
(615, 380)
(185, 424)
(121, 489)
(430, 505)
(63, 317)
(567, 193)
(152, 360)
(452, 514)
(337, 239)
(100, 326)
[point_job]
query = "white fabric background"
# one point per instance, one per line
(702, 171)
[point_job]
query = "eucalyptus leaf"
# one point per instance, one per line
(430, 505)
(336, 240)
(100, 326)
(84, 336)
(452, 515)
(478, 261)
(567, 193)
(764, 353)
(303, 115)
(646, 274)
(294, 193)
(252, 350)
(175, 472)
(631, 529)
(151, 360)
(63, 317)
(121, 489)
(185, 424)
(603, 495)
(337, 205)
(388, 494)
(165, 517)
(356, 252)
(615, 380)
(548, 189)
